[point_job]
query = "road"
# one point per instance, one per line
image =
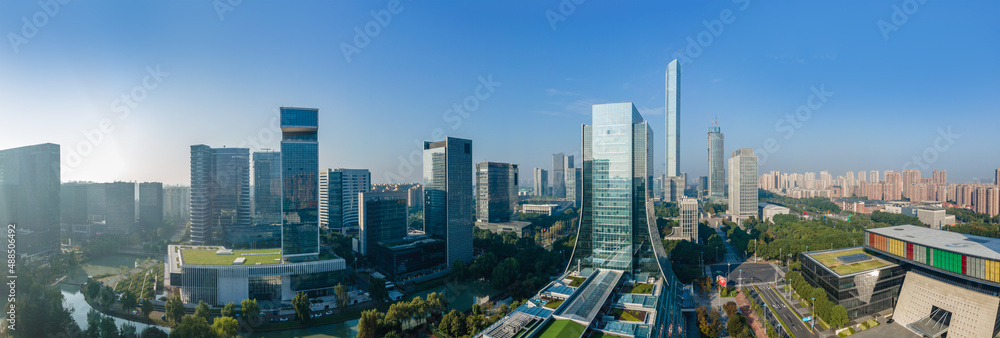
(798, 328)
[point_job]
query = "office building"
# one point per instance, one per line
(541, 182)
(574, 186)
(559, 164)
(338, 197)
(448, 206)
(414, 258)
(299, 183)
(381, 218)
(267, 187)
(120, 208)
(673, 110)
(415, 192)
(617, 248)
(865, 283)
(177, 204)
(703, 186)
(716, 162)
(220, 191)
(150, 206)
(29, 197)
(496, 191)
(689, 219)
(742, 185)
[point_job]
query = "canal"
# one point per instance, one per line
(73, 298)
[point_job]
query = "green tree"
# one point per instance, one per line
(107, 297)
(128, 300)
(147, 307)
(175, 308)
(301, 305)
(250, 309)
(93, 323)
(735, 325)
(505, 273)
(377, 290)
(108, 328)
(455, 326)
(129, 331)
(229, 310)
(341, 292)
(202, 310)
(368, 324)
(224, 327)
(192, 326)
(436, 302)
(153, 332)
(709, 322)
(474, 324)
(476, 310)
(459, 269)
(730, 309)
(838, 316)
(93, 289)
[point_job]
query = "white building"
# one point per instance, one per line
(689, 219)
(766, 211)
(742, 185)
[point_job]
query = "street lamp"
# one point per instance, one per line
(813, 321)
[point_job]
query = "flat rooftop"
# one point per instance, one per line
(972, 245)
(208, 256)
(862, 260)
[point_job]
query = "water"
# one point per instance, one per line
(74, 299)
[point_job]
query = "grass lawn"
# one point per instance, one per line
(208, 257)
(629, 315)
(642, 288)
(830, 260)
(872, 323)
(563, 329)
(846, 333)
(576, 281)
(554, 304)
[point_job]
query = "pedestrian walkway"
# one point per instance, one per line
(752, 320)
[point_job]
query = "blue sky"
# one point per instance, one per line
(223, 71)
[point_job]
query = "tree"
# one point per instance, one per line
(474, 324)
(341, 292)
(505, 273)
(129, 331)
(301, 305)
(192, 326)
(229, 310)
(224, 327)
(107, 297)
(128, 300)
(476, 310)
(147, 307)
(735, 325)
(108, 329)
(709, 322)
(436, 302)
(368, 324)
(460, 270)
(377, 290)
(153, 332)
(93, 323)
(455, 326)
(730, 309)
(250, 309)
(838, 316)
(202, 310)
(175, 308)
(93, 289)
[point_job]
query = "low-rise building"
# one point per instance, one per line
(414, 258)
(864, 283)
(766, 211)
(518, 227)
(546, 209)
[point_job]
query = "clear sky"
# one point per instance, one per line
(198, 72)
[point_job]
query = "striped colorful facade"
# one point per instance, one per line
(982, 268)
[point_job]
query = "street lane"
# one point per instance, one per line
(798, 328)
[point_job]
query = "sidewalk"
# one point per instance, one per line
(757, 325)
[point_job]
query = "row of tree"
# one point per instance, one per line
(833, 314)
(515, 264)
(816, 205)
(401, 316)
(969, 216)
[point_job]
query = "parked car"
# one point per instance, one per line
(284, 319)
(274, 320)
(329, 312)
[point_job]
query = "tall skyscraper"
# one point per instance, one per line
(743, 185)
(338, 197)
(151, 205)
(996, 177)
(448, 196)
(673, 108)
(689, 219)
(496, 191)
(120, 208)
(220, 190)
(574, 186)
(559, 165)
(177, 204)
(874, 176)
(716, 162)
(29, 197)
(381, 218)
(267, 187)
(702, 186)
(617, 231)
(541, 182)
(299, 183)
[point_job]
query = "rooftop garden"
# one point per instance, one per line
(576, 281)
(628, 315)
(554, 304)
(642, 288)
(208, 257)
(563, 329)
(830, 261)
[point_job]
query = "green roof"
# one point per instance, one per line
(208, 257)
(829, 259)
(563, 329)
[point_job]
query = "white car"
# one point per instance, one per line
(284, 319)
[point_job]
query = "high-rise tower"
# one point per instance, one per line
(448, 208)
(716, 162)
(673, 110)
(299, 183)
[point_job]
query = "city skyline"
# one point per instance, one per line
(826, 58)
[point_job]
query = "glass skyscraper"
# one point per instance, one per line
(448, 207)
(716, 162)
(267, 187)
(673, 107)
(299, 183)
(220, 191)
(29, 197)
(496, 191)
